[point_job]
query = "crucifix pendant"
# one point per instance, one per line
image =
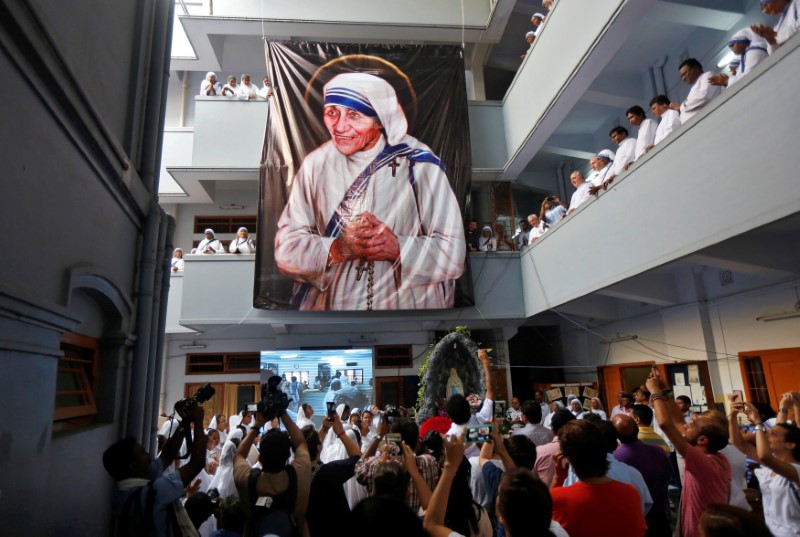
(393, 165)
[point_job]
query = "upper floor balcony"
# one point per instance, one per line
(720, 192)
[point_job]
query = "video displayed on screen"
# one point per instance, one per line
(313, 378)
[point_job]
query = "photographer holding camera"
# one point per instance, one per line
(146, 501)
(277, 495)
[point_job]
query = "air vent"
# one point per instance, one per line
(725, 277)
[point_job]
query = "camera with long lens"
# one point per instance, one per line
(273, 401)
(203, 394)
(392, 414)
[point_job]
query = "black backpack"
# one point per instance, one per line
(133, 521)
(281, 505)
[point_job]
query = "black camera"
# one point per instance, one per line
(203, 394)
(273, 401)
(392, 414)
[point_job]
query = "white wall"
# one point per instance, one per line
(716, 331)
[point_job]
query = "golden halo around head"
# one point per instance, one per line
(365, 63)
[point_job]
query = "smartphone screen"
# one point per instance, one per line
(331, 409)
(252, 407)
(478, 433)
(394, 443)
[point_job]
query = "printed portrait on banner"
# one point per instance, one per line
(364, 179)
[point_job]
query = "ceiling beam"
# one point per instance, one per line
(656, 289)
(697, 16)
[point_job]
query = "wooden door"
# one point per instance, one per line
(781, 372)
(500, 383)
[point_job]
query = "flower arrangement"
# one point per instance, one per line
(475, 401)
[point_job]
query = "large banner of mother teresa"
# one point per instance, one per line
(364, 177)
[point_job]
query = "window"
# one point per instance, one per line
(76, 381)
(393, 356)
(203, 364)
(224, 224)
(757, 391)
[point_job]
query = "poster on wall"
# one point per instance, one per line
(364, 179)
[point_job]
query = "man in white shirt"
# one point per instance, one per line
(533, 429)
(702, 92)
(626, 151)
(647, 130)
(788, 24)
(537, 228)
(670, 119)
(594, 164)
(581, 193)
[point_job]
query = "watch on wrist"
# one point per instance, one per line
(760, 427)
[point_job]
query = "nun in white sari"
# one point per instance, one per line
(210, 244)
(242, 244)
(223, 479)
(371, 221)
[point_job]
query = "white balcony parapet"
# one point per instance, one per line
(727, 171)
(208, 296)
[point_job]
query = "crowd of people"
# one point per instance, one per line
(537, 21)
(558, 470)
(244, 89)
(749, 45)
(210, 245)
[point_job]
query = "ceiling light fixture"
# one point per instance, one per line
(362, 339)
(193, 345)
(782, 315)
(231, 207)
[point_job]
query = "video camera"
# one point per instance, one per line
(203, 394)
(273, 401)
(391, 414)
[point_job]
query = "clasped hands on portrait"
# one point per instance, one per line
(367, 238)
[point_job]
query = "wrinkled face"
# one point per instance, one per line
(576, 179)
(515, 403)
(576, 405)
(486, 233)
(533, 221)
(243, 234)
(634, 119)
(595, 164)
(178, 254)
(351, 131)
(529, 39)
(212, 79)
(208, 235)
(595, 405)
(246, 80)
